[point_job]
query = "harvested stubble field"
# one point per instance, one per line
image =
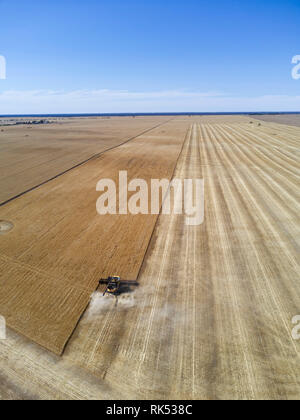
(212, 317)
(287, 119)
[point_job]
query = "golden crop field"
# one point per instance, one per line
(212, 315)
(60, 247)
(31, 155)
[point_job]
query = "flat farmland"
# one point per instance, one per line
(212, 317)
(60, 247)
(287, 119)
(32, 154)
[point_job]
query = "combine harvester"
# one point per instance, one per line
(115, 286)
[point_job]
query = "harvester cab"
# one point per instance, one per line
(113, 285)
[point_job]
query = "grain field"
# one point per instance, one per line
(30, 155)
(60, 247)
(212, 316)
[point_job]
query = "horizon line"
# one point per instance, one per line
(150, 113)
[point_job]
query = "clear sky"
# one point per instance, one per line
(149, 55)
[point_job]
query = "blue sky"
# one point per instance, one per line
(148, 56)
